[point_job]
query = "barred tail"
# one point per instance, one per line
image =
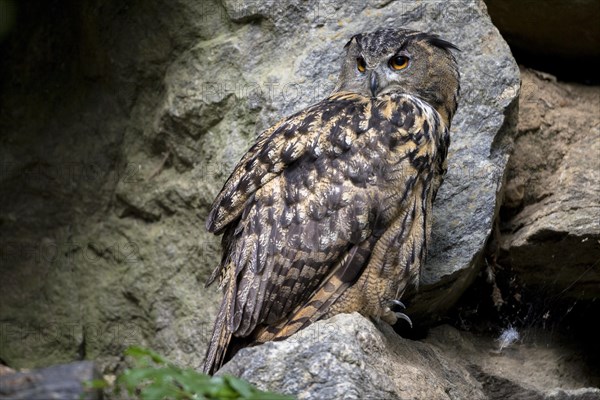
(319, 303)
(313, 310)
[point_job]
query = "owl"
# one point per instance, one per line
(330, 210)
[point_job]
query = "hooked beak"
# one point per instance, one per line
(374, 84)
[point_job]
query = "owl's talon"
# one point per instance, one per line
(404, 317)
(397, 303)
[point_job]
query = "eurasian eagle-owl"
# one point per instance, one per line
(330, 210)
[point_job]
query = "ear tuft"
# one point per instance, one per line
(434, 40)
(442, 44)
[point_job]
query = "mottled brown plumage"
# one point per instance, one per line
(329, 211)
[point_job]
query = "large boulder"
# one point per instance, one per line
(350, 357)
(550, 234)
(121, 123)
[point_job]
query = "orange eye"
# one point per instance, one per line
(361, 65)
(399, 62)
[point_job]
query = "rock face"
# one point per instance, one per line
(348, 357)
(120, 125)
(551, 235)
(65, 382)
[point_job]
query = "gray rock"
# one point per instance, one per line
(99, 250)
(552, 235)
(536, 365)
(348, 357)
(65, 381)
(574, 394)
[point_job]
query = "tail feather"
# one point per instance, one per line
(312, 311)
(221, 336)
(224, 345)
(215, 354)
(319, 303)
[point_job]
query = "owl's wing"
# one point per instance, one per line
(289, 210)
(295, 210)
(302, 135)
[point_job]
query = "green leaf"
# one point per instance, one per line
(140, 352)
(154, 377)
(243, 388)
(192, 381)
(218, 389)
(136, 377)
(157, 392)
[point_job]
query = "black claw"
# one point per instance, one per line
(397, 303)
(404, 317)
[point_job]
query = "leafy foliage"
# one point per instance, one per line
(153, 377)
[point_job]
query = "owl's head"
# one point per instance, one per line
(402, 61)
